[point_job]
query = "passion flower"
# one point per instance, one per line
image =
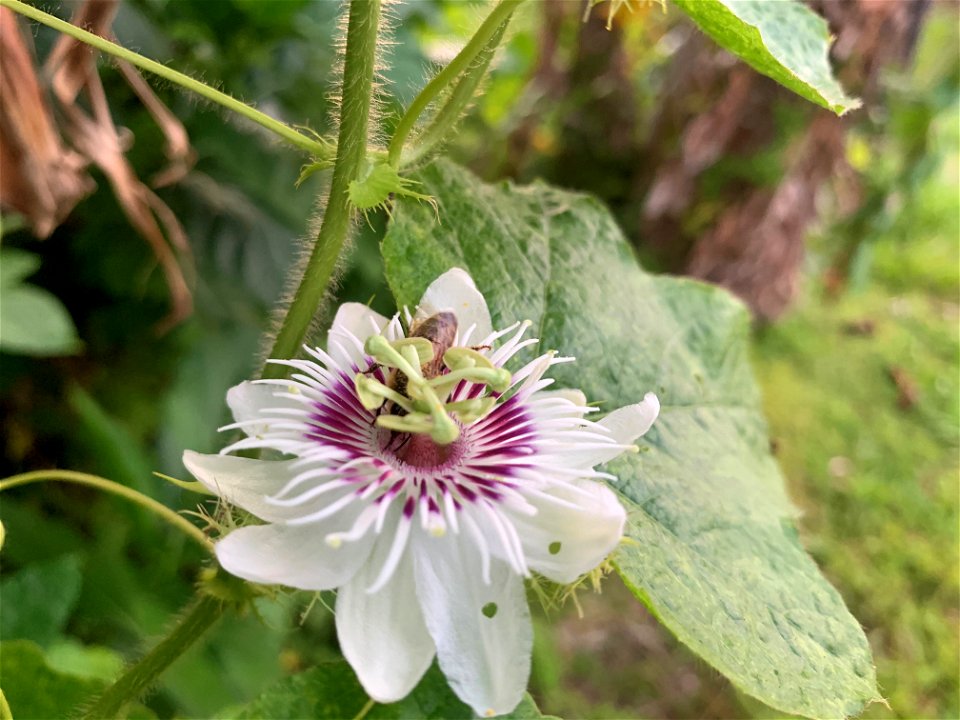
(423, 481)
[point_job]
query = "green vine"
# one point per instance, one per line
(362, 28)
(462, 94)
(459, 65)
(114, 488)
(198, 619)
(317, 147)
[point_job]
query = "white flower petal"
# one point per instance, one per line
(630, 422)
(353, 324)
(455, 291)
(382, 634)
(482, 632)
(576, 526)
(575, 396)
(245, 482)
(249, 401)
(625, 425)
(296, 556)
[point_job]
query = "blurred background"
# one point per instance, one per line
(154, 232)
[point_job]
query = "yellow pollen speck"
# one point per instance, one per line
(334, 541)
(438, 531)
(633, 449)
(490, 713)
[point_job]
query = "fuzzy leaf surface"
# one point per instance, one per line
(712, 548)
(785, 40)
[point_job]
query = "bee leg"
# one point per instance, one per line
(403, 443)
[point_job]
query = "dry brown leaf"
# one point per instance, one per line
(97, 138)
(42, 179)
(70, 60)
(178, 149)
(73, 71)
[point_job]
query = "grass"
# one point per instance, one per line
(875, 472)
(862, 399)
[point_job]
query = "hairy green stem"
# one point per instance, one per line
(162, 511)
(198, 619)
(448, 75)
(315, 147)
(461, 95)
(358, 70)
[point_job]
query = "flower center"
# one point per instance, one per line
(420, 451)
(422, 384)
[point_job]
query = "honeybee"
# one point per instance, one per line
(441, 330)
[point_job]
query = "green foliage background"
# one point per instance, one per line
(87, 581)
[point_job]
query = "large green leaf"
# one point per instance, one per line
(331, 691)
(783, 39)
(713, 551)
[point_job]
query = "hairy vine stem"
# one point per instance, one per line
(198, 619)
(158, 509)
(460, 64)
(446, 117)
(358, 70)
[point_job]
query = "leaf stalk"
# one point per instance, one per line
(462, 94)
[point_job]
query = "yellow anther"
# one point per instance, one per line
(423, 347)
(386, 354)
(468, 411)
(375, 345)
(497, 379)
(460, 358)
(444, 430)
(366, 391)
(411, 354)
